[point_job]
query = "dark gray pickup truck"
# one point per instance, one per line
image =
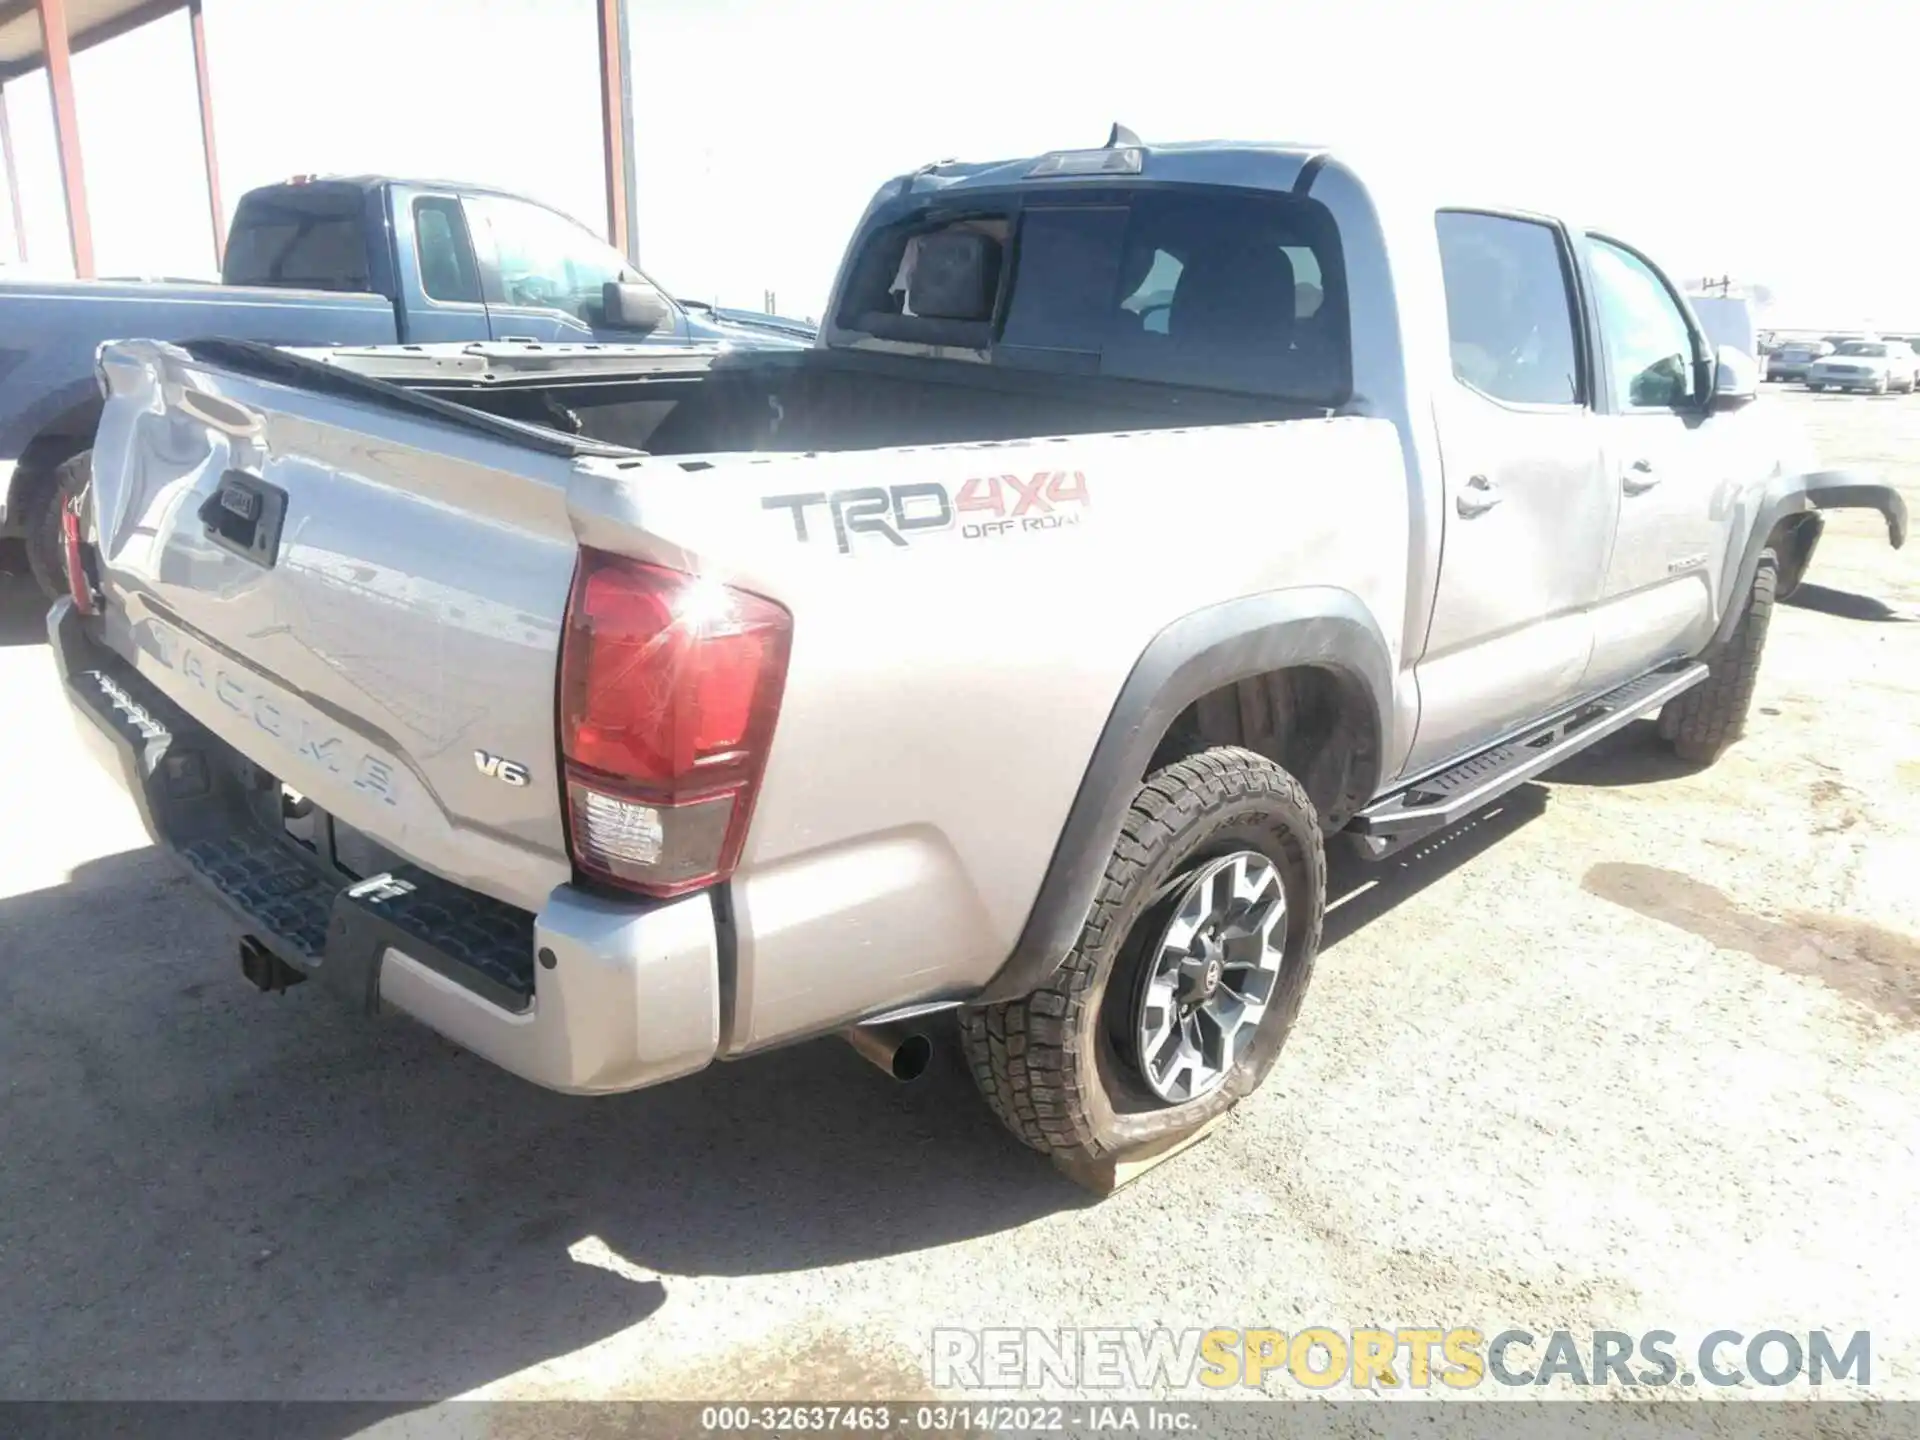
(365, 260)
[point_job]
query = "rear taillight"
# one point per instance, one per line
(669, 688)
(79, 586)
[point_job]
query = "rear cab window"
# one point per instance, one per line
(1190, 286)
(306, 237)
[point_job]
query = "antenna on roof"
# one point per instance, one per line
(1121, 135)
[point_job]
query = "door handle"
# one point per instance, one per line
(1640, 478)
(1479, 496)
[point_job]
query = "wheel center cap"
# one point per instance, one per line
(1210, 978)
(1200, 975)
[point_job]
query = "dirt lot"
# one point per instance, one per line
(1641, 1050)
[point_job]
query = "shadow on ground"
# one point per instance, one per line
(1846, 605)
(1632, 755)
(23, 608)
(1360, 891)
(208, 1192)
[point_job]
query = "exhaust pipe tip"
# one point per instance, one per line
(904, 1054)
(911, 1058)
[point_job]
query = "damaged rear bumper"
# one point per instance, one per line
(587, 996)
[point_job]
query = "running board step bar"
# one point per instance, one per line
(1451, 795)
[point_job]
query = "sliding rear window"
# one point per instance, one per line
(1228, 290)
(308, 237)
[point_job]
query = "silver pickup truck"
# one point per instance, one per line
(1144, 519)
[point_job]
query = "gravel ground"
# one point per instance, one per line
(1641, 1050)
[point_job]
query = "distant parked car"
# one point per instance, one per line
(1791, 361)
(1875, 365)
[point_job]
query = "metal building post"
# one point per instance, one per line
(13, 181)
(197, 22)
(616, 122)
(632, 191)
(66, 132)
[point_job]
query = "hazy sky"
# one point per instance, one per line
(1772, 141)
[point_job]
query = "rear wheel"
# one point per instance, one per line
(1701, 723)
(46, 550)
(1815, 388)
(1186, 978)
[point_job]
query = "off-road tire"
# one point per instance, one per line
(1047, 1063)
(46, 551)
(1701, 723)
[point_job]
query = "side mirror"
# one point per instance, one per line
(1736, 378)
(634, 305)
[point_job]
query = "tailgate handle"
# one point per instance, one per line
(243, 515)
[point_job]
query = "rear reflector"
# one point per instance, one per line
(669, 688)
(78, 585)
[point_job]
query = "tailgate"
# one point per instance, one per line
(360, 595)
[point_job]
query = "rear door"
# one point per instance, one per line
(1529, 515)
(1664, 459)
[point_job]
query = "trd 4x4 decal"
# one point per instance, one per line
(987, 506)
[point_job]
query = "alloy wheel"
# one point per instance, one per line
(1210, 975)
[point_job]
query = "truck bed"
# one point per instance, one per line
(699, 401)
(973, 564)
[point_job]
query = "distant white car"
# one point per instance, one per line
(1873, 365)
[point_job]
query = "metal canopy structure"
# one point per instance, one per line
(46, 33)
(37, 34)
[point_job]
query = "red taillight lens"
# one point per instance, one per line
(669, 689)
(78, 585)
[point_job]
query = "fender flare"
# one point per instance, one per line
(1846, 490)
(1325, 627)
(1799, 494)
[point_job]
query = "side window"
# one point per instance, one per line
(547, 260)
(1509, 308)
(1648, 344)
(447, 271)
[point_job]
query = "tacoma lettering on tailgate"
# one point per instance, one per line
(289, 724)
